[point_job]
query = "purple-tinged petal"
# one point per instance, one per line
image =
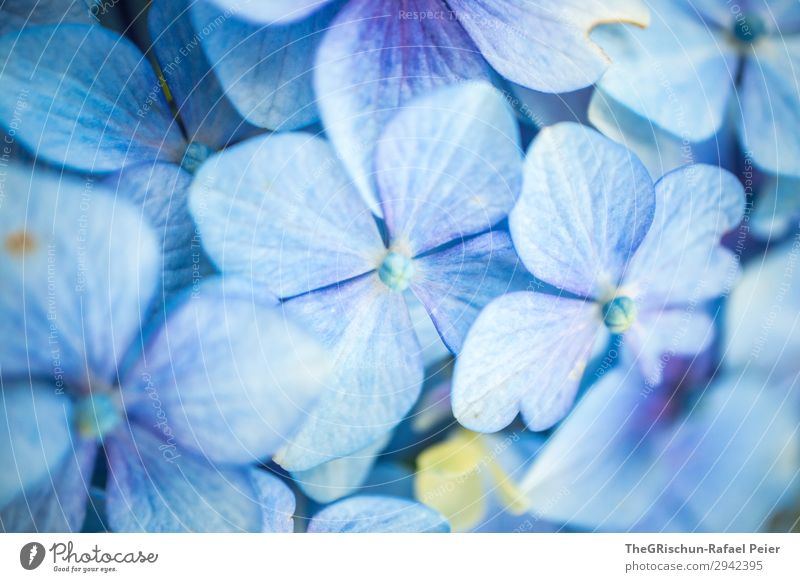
(281, 211)
(372, 61)
(377, 514)
(514, 34)
(585, 207)
(377, 373)
(57, 502)
(525, 352)
(88, 99)
(448, 166)
(456, 283)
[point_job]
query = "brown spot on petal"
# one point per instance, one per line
(20, 242)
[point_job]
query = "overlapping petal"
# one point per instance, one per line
(377, 514)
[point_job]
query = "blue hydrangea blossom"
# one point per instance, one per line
(448, 169)
(625, 257)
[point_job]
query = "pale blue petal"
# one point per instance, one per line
(227, 375)
(677, 72)
(448, 166)
(278, 503)
(658, 336)
(161, 191)
(57, 502)
(512, 34)
(377, 374)
(770, 106)
(34, 434)
(149, 490)
(585, 207)
(266, 71)
(90, 100)
(734, 460)
(680, 260)
(777, 210)
(206, 113)
(79, 272)
(272, 11)
(456, 283)
(372, 62)
(377, 514)
(526, 351)
(281, 211)
(18, 14)
(340, 477)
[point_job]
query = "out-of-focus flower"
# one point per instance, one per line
(625, 256)
(448, 169)
(700, 64)
(180, 410)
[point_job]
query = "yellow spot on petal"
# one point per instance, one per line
(20, 242)
(577, 372)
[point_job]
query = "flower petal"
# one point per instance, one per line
(291, 221)
(271, 12)
(153, 487)
(512, 34)
(18, 14)
(680, 259)
(677, 72)
(89, 98)
(526, 351)
(278, 503)
(454, 284)
(448, 166)
(57, 502)
(79, 271)
(377, 374)
(227, 375)
(377, 514)
(585, 207)
(373, 60)
(266, 71)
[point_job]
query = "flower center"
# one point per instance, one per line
(748, 28)
(196, 153)
(396, 271)
(619, 314)
(96, 415)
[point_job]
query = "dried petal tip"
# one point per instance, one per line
(396, 271)
(619, 314)
(97, 415)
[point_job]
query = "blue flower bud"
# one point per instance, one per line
(619, 314)
(396, 271)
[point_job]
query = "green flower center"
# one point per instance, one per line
(196, 153)
(748, 28)
(619, 314)
(396, 271)
(96, 415)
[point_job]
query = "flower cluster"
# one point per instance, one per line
(400, 265)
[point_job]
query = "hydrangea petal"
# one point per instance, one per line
(18, 14)
(454, 284)
(206, 113)
(377, 374)
(266, 71)
(770, 106)
(448, 166)
(525, 351)
(278, 503)
(677, 72)
(377, 514)
(57, 502)
(34, 434)
(79, 271)
(585, 207)
(340, 477)
(291, 222)
(512, 34)
(680, 260)
(373, 60)
(232, 376)
(273, 11)
(89, 99)
(777, 209)
(148, 491)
